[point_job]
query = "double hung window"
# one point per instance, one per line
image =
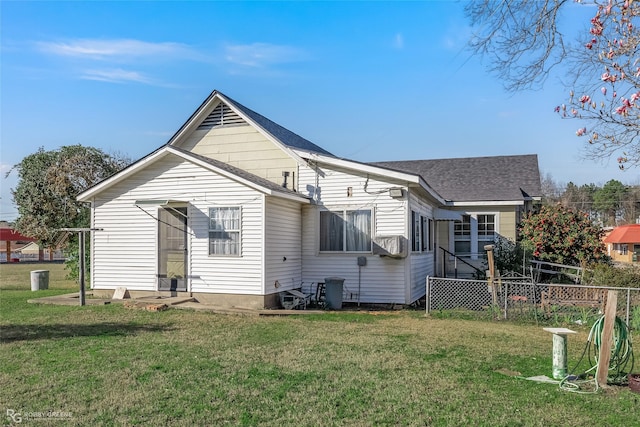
(462, 233)
(473, 233)
(224, 231)
(486, 231)
(421, 233)
(345, 231)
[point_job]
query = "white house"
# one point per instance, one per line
(235, 208)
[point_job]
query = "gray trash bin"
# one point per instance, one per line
(333, 292)
(39, 280)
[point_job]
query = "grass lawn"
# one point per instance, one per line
(108, 365)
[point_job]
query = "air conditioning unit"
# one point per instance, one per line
(390, 246)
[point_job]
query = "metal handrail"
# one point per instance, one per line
(455, 265)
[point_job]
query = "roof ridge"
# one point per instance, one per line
(279, 132)
(456, 158)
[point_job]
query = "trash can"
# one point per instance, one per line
(333, 292)
(39, 280)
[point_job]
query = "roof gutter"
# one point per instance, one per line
(374, 170)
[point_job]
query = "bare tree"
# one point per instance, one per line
(520, 37)
(631, 205)
(551, 190)
(524, 44)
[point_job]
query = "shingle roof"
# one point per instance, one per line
(499, 178)
(280, 133)
(624, 234)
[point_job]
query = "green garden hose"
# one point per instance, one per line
(620, 364)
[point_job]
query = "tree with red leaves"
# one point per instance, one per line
(564, 236)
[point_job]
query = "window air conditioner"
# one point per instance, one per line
(390, 246)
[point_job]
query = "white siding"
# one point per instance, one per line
(125, 252)
(383, 279)
(244, 147)
(283, 245)
(422, 263)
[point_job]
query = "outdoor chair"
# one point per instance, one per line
(294, 300)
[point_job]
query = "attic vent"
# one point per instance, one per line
(221, 115)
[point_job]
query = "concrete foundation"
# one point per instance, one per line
(255, 302)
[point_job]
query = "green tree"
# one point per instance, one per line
(580, 198)
(608, 201)
(562, 235)
(48, 182)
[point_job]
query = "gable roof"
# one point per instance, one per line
(457, 181)
(284, 135)
(274, 131)
(624, 234)
(263, 185)
(9, 234)
(478, 179)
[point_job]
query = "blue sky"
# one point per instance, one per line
(369, 81)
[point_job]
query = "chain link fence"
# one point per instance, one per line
(521, 298)
(20, 257)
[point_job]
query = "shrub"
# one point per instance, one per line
(612, 275)
(564, 236)
(508, 255)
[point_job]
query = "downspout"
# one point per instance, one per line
(408, 279)
(91, 244)
(263, 250)
(189, 253)
(436, 245)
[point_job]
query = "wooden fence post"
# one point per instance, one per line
(607, 338)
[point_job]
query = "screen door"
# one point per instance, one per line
(172, 249)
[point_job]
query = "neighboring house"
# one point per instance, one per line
(10, 242)
(235, 208)
(623, 243)
(32, 251)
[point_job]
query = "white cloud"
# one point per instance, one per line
(259, 55)
(111, 60)
(117, 49)
(116, 75)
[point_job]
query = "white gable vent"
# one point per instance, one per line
(220, 116)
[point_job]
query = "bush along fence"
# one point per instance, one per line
(521, 298)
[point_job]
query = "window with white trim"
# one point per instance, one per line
(462, 235)
(345, 230)
(416, 232)
(425, 234)
(474, 232)
(623, 248)
(486, 230)
(421, 232)
(224, 231)
(431, 235)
